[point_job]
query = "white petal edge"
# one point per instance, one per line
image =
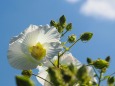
(18, 59)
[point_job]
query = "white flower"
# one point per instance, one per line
(66, 59)
(33, 47)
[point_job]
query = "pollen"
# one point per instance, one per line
(38, 52)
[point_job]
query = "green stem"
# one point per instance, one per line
(66, 51)
(95, 72)
(74, 43)
(58, 61)
(64, 33)
(100, 78)
(43, 79)
(52, 63)
(112, 74)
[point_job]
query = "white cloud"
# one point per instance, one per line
(72, 1)
(99, 8)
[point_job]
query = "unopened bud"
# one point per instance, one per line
(104, 69)
(69, 27)
(72, 38)
(62, 21)
(82, 73)
(86, 36)
(60, 29)
(111, 80)
(108, 58)
(24, 81)
(27, 73)
(89, 61)
(53, 23)
(99, 64)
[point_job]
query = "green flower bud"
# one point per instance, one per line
(104, 70)
(89, 61)
(82, 73)
(53, 23)
(24, 81)
(69, 27)
(72, 38)
(111, 80)
(60, 29)
(108, 58)
(62, 21)
(71, 68)
(66, 78)
(53, 76)
(27, 73)
(99, 64)
(86, 36)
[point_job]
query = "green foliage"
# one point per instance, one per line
(71, 75)
(111, 81)
(100, 64)
(24, 81)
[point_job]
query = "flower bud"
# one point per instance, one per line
(89, 61)
(62, 21)
(66, 76)
(72, 38)
(24, 81)
(104, 69)
(86, 36)
(60, 29)
(69, 27)
(53, 23)
(111, 80)
(53, 76)
(108, 58)
(99, 64)
(27, 73)
(82, 73)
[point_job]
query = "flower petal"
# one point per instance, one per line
(18, 59)
(67, 59)
(92, 73)
(52, 49)
(44, 75)
(52, 35)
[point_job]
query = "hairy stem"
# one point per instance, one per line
(100, 78)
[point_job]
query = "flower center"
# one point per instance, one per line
(37, 51)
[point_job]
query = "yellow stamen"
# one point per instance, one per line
(37, 51)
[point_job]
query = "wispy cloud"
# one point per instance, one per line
(99, 8)
(72, 1)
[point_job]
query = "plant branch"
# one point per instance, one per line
(64, 33)
(43, 79)
(100, 78)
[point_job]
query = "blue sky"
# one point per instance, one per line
(97, 16)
